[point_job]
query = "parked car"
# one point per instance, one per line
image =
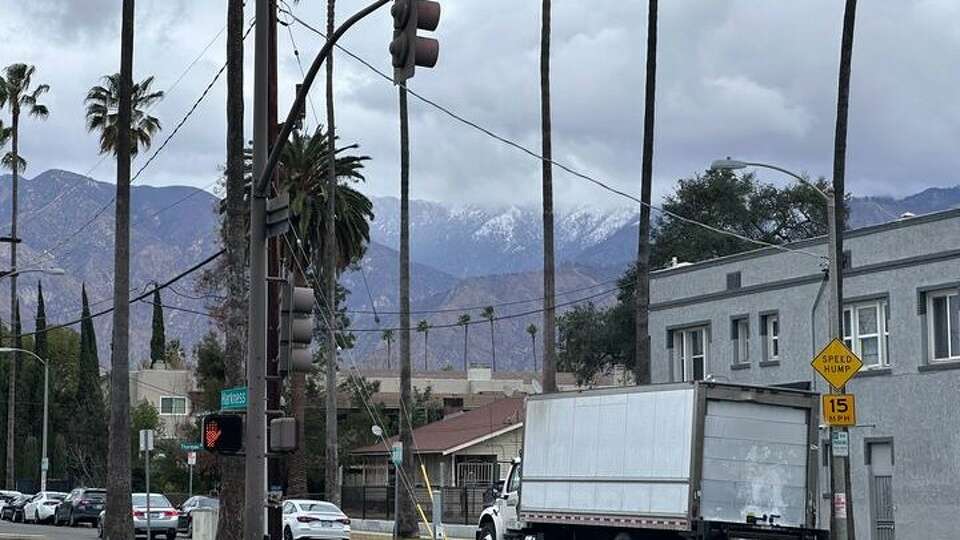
(41, 507)
(314, 520)
(6, 497)
(185, 524)
(14, 508)
(81, 505)
(163, 517)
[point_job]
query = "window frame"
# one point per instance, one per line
(854, 341)
(771, 340)
(174, 413)
(952, 356)
(740, 334)
(682, 341)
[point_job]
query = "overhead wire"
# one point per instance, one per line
(488, 132)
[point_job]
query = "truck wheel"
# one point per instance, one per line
(488, 531)
(623, 535)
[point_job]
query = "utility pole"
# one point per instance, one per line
(841, 509)
(12, 384)
(255, 488)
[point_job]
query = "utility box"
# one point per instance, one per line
(283, 434)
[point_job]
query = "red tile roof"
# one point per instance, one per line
(459, 429)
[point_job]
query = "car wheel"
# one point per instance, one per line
(488, 531)
(287, 534)
(71, 521)
(172, 534)
(99, 528)
(36, 517)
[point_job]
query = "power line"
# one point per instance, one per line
(169, 282)
(553, 162)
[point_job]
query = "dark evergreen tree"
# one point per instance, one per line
(90, 424)
(158, 340)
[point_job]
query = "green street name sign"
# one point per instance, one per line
(190, 446)
(233, 399)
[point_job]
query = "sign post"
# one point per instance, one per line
(146, 446)
(396, 457)
(191, 461)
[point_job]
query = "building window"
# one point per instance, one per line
(866, 332)
(741, 340)
(770, 326)
(173, 405)
(690, 346)
(943, 308)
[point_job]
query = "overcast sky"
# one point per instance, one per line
(754, 79)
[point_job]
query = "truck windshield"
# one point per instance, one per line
(514, 483)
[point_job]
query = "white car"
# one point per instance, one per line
(6, 497)
(314, 520)
(41, 507)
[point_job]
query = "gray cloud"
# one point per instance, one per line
(736, 77)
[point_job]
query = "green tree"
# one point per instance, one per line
(736, 203)
(158, 339)
(387, 336)
(464, 321)
(489, 315)
(103, 103)
(424, 328)
(91, 414)
(210, 370)
(532, 330)
(142, 416)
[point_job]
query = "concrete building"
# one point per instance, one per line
(760, 317)
(168, 390)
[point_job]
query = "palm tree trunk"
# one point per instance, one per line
(493, 346)
(425, 337)
(388, 354)
(641, 368)
(12, 383)
(407, 526)
(533, 338)
(549, 277)
(465, 332)
(330, 284)
(840, 483)
(119, 519)
(234, 239)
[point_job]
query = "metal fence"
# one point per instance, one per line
(461, 505)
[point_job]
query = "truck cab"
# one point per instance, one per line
(501, 516)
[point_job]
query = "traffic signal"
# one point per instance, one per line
(296, 328)
(222, 433)
(407, 48)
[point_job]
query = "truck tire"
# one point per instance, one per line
(488, 531)
(623, 535)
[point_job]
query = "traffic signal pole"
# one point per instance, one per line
(265, 160)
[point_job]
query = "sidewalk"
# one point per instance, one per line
(376, 529)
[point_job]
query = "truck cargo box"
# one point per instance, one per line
(671, 456)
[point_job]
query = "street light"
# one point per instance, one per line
(733, 165)
(47, 271)
(44, 463)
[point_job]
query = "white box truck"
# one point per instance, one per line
(697, 460)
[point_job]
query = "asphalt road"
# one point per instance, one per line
(47, 532)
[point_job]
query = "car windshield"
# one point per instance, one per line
(326, 508)
(156, 501)
(209, 503)
(56, 496)
(95, 495)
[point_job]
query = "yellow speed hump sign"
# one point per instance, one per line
(836, 363)
(839, 410)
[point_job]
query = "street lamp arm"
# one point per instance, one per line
(300, 102)
(31, 353)
(789, 173)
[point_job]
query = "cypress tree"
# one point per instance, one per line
(40, 337)
(91, 418)
(158, 341)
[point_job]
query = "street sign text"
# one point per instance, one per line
(233, 399)
(836, 363)
(839, 410)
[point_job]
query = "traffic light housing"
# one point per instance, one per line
(407, 48)
(222, 433)
(296, 329)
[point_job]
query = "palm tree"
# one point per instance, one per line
(304, 164)
(424, 327)
(532, 330)
(641, 367)
(488, 314)
(388, 337)
(17, 95)
(843, 527)
(119, 520)
(234, 233)
(464, 321)
(103, 102)
(549, 274)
